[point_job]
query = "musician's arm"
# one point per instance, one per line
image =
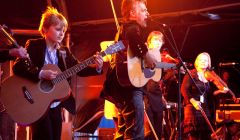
(88, 71)
(138, 47)
(185, 89)
(12, 53)
(219, 91)
(22, 66)
(136, 42)
(5, 56)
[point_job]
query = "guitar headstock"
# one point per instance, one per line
(115, 48)
(6, 36)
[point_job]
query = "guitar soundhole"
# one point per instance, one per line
(46, 85)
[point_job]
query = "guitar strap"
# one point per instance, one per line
(119, 60)
(116, 39)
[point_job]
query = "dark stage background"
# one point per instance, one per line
(206, 25)
(212, 26)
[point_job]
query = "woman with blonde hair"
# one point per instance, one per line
(195, 98)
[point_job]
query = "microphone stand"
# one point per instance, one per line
(175, 49)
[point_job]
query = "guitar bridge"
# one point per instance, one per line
(27, 95)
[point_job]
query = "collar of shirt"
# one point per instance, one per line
(51, 56)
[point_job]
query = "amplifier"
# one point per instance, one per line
(228, 112)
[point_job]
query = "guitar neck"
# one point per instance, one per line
(75, 69)
(165, 65)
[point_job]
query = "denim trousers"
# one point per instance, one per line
(131, 118)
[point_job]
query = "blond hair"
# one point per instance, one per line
(152, 34)
(51, 17)
(127, 6)
(198, 57)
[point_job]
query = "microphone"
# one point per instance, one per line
(150, 18)
(228, 64)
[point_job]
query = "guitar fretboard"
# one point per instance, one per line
(75, 69)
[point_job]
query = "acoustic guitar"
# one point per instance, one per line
(139, 75)
(27, 101)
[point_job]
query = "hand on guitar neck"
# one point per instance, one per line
(149, 60)
(35, 97)
(140, 71)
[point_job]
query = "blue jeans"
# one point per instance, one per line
(131, 118)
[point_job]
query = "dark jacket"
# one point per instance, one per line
(4, 56)
(190, 90)
(115, 89)
(36, 49)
